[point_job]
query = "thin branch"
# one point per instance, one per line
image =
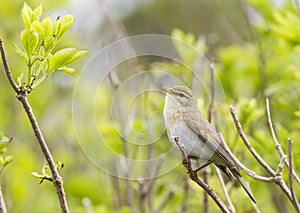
(231, 206)
(279, 180)
(165, 201)
(186, 189)
(6, 68)
(277, 144)
(56, 178)
(247, 143)
(206, 170)
(290, 157)
(212, 90)
(194, 177)
(2, 203)
(242, 166)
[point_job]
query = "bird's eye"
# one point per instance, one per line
(181, 94)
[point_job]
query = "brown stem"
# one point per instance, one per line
(56, 178)
(219, 175)
(277, 144)
(247, 143)
(290, 156)
(278, 180)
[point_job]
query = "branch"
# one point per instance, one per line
(247, 143)
(6, 68)
(193, 175)
(278, 180)
(290, 156)
(2, 203)
(277, 144)
(56, 179)
(242, 166)
(231, 206)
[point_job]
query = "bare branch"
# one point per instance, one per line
(277, 144)
(290, 156)
(193, 175)
(6, 68)
(277, 175)
(242, 166)
(212, 90)
(247, 143)
(231, 206)
(165, 200)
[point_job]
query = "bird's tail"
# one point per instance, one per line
(244, 185)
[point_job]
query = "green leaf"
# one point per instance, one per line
(20, 52)
(67, 70)
(48, 30)
(61, 58)
(38, 27)
(29, 39)
(56, 28)
(66, 22)
(62, 25)
(37, 13)
(26, 14)
(78, 55)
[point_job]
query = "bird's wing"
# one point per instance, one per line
(198, 123)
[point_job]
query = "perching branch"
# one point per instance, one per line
(193, 175)
(278, 174)
(56, 178)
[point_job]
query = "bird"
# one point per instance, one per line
(201, 141)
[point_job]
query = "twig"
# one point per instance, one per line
(279, 181)
(186, 189)
(2, 203)
(57, 180)
(193, 175)
(277, 144)
(212, 90)
(242, 166)
(231, 207)
(206, 170)
(165, 201)
(6, 68)
(247, 143)
(290, 157)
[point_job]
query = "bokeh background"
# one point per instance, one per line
(254, 46)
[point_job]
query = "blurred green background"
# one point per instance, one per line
(255, 49)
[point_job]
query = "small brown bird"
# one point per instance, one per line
(200, 139)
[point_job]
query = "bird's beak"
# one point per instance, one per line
(167, 89)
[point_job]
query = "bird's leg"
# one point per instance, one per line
(201, 167)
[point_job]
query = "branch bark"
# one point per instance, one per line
(278, 179)
(56, 178)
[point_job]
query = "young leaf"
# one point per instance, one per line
(66, 22)
(38, 27)
(26, 14)
(29, 39)
(67, 70)
(48, 29)
(56, 28)
(37, 13)
(20, 52)
(61, 58)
